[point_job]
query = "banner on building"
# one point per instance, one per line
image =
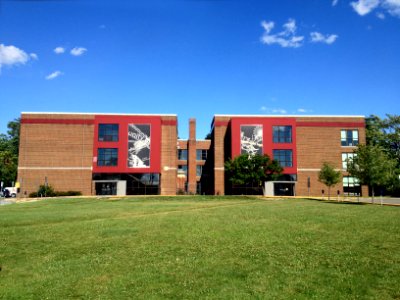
(139, 145)
(251, 139)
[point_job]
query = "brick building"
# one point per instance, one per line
(100, 154)
(301, 144)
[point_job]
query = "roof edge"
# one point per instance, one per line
(101, 114)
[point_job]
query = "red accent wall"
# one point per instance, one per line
(268, 144)
(122, 144)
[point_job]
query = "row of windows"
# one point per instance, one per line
(281, 134)
(109, 157)
(201, 154)
(183, 170)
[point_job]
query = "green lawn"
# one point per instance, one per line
(198, 247)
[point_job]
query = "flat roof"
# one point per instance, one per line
(102, 114)
(291, 116)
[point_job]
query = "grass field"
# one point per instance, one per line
(198, 247)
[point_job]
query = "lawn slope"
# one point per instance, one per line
(198, 247)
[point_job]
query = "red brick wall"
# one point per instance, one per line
(318, 141)
(168, 155)
(221, 124)
(56, 146)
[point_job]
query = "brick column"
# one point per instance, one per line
(220, 129)
(168, 155)
(192, 157)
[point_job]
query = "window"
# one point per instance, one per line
(108, 132)
(351, 185)
(107, 157)
(282, 134)
(349, 137)
(345, 158)
(201, 154)
(199, 170)
(182, 170)
(284, 157)
(182, 154)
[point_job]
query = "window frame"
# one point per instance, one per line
(201, 154)
(345, 157)
(282, 134)
(276, 153)
(347, 140)
(113, 157)
(108, 130)
(180, 151)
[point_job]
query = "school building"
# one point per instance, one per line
(132, 154)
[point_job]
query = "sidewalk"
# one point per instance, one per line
(368, 200)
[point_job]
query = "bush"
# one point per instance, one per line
(48, 191)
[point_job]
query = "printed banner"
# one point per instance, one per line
(251, 139)
(139, 146)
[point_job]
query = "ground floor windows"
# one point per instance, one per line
(106, 188)
(351, 186)
(127, 184)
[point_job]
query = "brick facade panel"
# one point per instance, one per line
(168, 156)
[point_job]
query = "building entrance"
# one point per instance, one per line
(106, 188)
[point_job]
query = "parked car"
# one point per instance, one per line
(10, 192)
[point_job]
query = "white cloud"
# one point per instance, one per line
(286, 38)
(59, 50)
(279, 111)
(263, 108)
(392, 6)
(317, 37)
(380, 15)
(33, 56)
(78, 51)
(54, 75)
(363, 7)
(304, 110)
(335, 2)
(11, 55)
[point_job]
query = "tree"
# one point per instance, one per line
(373, 167)
(385, 133)
(328, 176)
(9, 145)
(255, 169)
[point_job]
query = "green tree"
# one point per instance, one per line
(385, 133)
(9, 145)
(372, 166)
(329, 176)
(254, 170)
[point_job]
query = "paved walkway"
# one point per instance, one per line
(5, 202)
(378, 200)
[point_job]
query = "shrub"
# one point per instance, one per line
(48, 191)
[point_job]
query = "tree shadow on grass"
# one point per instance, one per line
(332, 201)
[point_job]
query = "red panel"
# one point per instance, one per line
(58, 121)
(122, 144)
(169, 122)
(221, 123)
(268, 144)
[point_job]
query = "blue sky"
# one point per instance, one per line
(197, 58)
